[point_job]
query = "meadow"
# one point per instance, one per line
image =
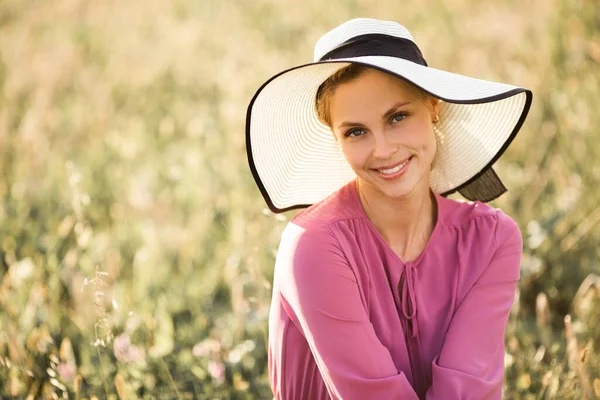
(136, 253)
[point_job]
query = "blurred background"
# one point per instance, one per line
(136, 253)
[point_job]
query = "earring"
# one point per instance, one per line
(436, 119)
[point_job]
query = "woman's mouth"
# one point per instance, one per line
(394, 171)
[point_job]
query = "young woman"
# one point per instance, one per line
(384, 288)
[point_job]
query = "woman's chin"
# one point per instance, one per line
(398, 193)
(396, 189)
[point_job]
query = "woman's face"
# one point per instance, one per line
(385, 132)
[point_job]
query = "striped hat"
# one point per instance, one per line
(295, 159)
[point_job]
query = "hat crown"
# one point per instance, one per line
(358, 27)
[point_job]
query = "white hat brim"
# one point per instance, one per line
(296, 161)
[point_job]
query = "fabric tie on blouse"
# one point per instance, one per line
(408, 299)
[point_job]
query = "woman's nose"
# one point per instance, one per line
(383, 148)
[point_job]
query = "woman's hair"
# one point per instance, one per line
(345, 75)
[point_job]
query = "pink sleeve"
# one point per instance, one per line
(471, 362)
(320, 290)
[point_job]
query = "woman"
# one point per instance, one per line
(383, 287)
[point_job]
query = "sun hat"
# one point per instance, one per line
(295, 159)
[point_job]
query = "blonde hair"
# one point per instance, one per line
(348, 74)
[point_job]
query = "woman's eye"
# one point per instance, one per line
(398, 117)
(355, 133)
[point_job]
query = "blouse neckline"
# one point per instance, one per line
(377, 234)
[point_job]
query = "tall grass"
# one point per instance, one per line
(136, 253)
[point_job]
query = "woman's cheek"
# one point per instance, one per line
(350, 154)
(355, 160)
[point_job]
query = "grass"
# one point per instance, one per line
(136, 253)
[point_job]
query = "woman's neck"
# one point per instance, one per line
(405, 223)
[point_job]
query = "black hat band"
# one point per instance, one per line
(377, 45)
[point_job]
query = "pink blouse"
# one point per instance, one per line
(350, 320)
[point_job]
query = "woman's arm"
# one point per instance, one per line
(320, 292)
(471, 362)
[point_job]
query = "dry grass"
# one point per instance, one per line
(136, 254)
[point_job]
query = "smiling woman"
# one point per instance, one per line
(384, 288)
(390, 146)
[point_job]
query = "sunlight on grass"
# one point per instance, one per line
(136, 252)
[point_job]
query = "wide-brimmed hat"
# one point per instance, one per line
(295, 159)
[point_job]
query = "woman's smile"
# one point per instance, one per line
(393, 171)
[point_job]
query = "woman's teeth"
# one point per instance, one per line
(393, 170)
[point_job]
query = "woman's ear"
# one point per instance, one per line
(435, 109)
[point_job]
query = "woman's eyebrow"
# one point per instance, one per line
(385, 116)
(395, 108)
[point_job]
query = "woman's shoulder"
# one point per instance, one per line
(468, 214)
(309, 239)
(483, 234)
(340, 205)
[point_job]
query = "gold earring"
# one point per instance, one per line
(436, 119)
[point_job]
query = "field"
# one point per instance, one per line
(136, 253)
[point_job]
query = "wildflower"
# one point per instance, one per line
(217, 371)
(127, 353)
(66, 371)
(206, 348)
(235, 356)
